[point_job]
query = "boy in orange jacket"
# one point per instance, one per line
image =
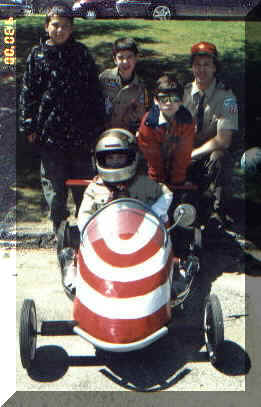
(166, 134)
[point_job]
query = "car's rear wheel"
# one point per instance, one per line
(213, 328)
(91, 14)
(162, 12)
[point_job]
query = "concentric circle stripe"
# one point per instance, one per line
(126, 289)
(122, 308)
(119, 330)
(105, 271)
(125, 220)
(138, 231)
(102, 227)
(128, 260)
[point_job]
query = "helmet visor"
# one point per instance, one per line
(115, 159)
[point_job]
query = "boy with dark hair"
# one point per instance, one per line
(166, 134)
(62, 109)
(126, 97)
(123, 44)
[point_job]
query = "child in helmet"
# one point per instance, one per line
(117, 163)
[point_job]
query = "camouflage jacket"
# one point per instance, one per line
(61, 99)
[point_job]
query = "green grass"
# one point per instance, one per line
(164, 42)
(164, 45)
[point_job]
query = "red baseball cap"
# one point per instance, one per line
(204, 48)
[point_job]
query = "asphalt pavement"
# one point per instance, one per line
(178, 362)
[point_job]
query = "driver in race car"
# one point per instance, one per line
(117, 165)
(116, 157)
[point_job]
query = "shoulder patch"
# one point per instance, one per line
(108, 79)
(109, 82)
(230, 104)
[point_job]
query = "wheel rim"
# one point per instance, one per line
(161, 13)
(32, 333)
(209, 334)
(90, 14)
(213, 328)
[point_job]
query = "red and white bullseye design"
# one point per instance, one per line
(123, 280)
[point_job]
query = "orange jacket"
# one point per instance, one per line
(166, 146)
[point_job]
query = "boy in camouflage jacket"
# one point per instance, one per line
(62, 110)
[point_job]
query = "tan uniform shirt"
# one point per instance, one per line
(125, 105)
(220, 109)
(97, 194)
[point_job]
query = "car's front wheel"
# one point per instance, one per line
(162, 12)
(28, 333)
(91, 14)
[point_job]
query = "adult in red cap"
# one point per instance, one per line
(214, 108)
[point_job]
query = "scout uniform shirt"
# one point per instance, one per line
(220, 109)
(125, 104)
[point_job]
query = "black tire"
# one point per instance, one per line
(161, 12)
(28, 333)
(90, 14)
(213, 328)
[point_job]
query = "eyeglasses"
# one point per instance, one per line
(168, 98)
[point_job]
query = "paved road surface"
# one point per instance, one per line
(176, 363)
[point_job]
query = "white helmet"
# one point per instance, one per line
(116, 140)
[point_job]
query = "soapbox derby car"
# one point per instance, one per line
(129, 284)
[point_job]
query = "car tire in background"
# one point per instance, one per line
(90, 14)
(161, 12)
